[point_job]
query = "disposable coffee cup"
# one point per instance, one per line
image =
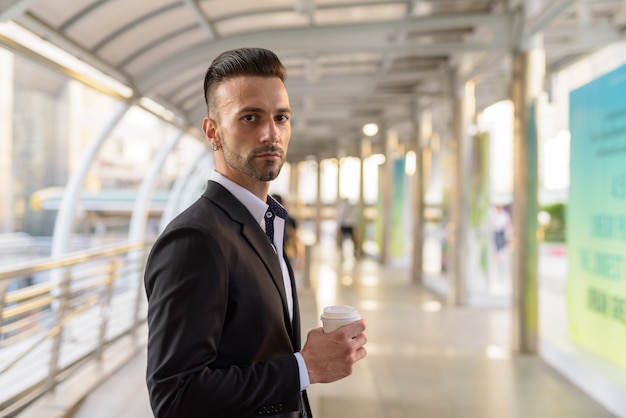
(336, 316)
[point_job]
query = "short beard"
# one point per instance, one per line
(244, 164)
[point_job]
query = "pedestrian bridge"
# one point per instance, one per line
(75, 345)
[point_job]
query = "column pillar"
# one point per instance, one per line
(461, 147)
(365, 151)
(528, 72)
(318, 200)
(338, 238)
(340, 155)
(387, 195)
(421, 125)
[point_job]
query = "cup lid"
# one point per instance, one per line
(340, 312)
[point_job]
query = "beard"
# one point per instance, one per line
(251, 166)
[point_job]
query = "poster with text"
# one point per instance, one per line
(596, 217)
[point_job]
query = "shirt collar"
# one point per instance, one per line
(255, 206)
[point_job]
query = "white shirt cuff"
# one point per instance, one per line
(304, 373)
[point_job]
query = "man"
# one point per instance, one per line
(224, 326)
(501, 223)
(347, 220)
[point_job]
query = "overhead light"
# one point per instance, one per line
(410, 165)
(157, 109)
(65, 60)
(377, 159)
(370, 129)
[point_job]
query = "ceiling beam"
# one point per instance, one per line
(400, 77)
(9, 9)
(373, 38)
(201, 18)
(541, 20)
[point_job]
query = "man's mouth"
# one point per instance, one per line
(270, 154)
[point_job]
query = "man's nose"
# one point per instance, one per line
(271, 133)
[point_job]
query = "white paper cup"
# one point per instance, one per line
(336, 316)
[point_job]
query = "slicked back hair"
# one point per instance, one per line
(241, 62)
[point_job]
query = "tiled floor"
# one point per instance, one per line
(425, 360)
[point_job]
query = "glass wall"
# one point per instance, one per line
(48, 122)
(53, 117)
(582, 286)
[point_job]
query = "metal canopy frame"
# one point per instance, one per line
(349, 61)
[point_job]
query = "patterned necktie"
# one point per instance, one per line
(273, 210)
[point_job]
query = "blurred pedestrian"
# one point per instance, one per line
(347, 220)
(501, 224)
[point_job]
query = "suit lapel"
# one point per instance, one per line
(257, 239)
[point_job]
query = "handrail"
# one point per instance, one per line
(29, 292)
(48, 330)
(30, 267)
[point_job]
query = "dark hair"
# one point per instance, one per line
(243, 61)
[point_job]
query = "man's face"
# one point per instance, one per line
(251, 124)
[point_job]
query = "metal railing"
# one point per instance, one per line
(58, 314)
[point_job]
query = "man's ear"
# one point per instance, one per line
(209, 130)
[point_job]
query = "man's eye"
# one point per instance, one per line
(249, 118)
(282, 118)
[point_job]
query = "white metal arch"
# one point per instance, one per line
(71, 195)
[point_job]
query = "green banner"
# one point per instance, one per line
(596, 217)
(398, 218)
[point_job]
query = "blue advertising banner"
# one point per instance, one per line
(596, 217)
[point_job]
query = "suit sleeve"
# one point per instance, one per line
(187, 284)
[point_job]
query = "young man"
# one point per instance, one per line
(224, 326)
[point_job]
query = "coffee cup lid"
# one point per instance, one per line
(340, 312)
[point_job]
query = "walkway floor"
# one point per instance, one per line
(425, 359)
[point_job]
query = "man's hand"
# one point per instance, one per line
(330, 357)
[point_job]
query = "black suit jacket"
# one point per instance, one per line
(220, 340)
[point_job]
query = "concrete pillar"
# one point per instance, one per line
(386, 180)
(7, 203)
(463, 115)
(340, 155)
(338, 199)
(417, 195)
(528, 73)
(318, 201)
(365, 151)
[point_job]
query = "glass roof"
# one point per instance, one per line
(349, 62)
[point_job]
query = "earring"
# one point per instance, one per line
(216, 147)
